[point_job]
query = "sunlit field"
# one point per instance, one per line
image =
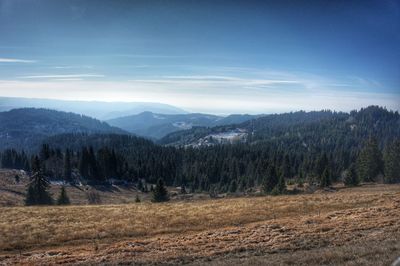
(350, 226)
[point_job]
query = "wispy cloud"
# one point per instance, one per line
(73, 67)
(68, 79)
(15, 60)
(69, 76)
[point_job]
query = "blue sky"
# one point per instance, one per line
(204, 56)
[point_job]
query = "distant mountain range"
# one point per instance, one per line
(99, 110)
(26, 128)
(156, 126)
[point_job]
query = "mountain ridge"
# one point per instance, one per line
(96, 109)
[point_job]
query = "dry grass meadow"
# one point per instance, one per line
(353, 226)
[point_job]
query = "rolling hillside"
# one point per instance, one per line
(302, 127)
(26, 128)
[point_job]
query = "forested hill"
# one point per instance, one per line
(317, 147)
(306, 127)
(26, 128)
(119, 142)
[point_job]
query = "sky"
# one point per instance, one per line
(216, 57)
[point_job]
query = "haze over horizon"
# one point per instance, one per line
(211, 57)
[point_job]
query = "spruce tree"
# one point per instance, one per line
(63, 199)
(350, 179)
(321, 164)
(67, 166)
(325, 179)
(160, 193)
(233, 186)
(37, 193)
(369, 163)
(271, 180)
(392, 162)
(281, 186)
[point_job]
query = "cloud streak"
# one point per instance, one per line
(70, 76)
(15, 60)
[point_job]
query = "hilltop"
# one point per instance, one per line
(26, 128)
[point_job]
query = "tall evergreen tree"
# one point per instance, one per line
(321, 164)
(369, 163)
(160, 193)
(280, 188)
(67, 166)
(325, 178)
(233, 186)
(38, 187)
(63, 199)
(270, 180)
(350, 179)
(286, 167)
(392, 162)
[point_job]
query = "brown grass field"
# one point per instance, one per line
(352, 226)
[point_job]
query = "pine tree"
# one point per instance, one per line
(321, 164)
(37, 193)
(84, 163)
(392, 162)
(160, 193)
(63, 199)
(286, 167)
(67, 166)
(271, 180)
(350, 179)
(369, 163)
(233, 186)
(281, 186)
(325, 179)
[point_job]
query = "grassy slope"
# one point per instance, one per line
(347, 227)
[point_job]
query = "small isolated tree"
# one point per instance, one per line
(350, 178)
(38, 188)
(325, 179)
(137, 199)
(160, 193)
(63, 199)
